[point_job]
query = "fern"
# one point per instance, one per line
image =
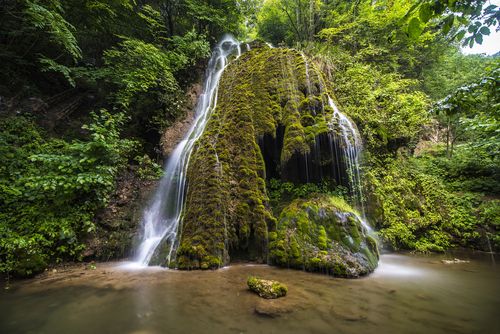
(50, 20)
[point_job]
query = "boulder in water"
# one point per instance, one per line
(267, 288)
(272, 308)
(323, 234)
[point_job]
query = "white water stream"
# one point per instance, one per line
(162, 218)
(350, 145)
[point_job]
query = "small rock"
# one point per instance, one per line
(454, 261)
(347, 314)
(271, 309)
(266, 288)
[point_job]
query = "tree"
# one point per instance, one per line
(290, 21)
(472, 110)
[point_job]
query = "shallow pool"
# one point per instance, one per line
(406, 294)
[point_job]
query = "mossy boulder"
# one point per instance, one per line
(323, 234)
(267, 288)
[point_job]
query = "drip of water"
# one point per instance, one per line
(238, 48)
(161, 219)
(308, 81)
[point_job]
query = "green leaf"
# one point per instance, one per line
(479, 38)
(484, 30)
(425, 12)
(414, 28)
(448, 23)
(459, 35)
(490, 9)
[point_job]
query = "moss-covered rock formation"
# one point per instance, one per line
(271, 116)
(323, 234)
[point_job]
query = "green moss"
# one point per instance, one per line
(322, 238)
(323, 234)
(266, 288)
(227, 206)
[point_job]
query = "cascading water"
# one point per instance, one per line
(351, 149)
(161, 219)
(344, 132)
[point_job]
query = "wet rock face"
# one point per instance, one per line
(117, 224)
(172, 136)
(267, 289)
(323, 234)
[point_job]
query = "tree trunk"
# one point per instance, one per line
(448, 140)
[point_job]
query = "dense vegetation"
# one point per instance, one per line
(427, 113)
(87, 86)
(63, 63)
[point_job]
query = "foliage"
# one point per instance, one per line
(469, 169)
(489, 213)
(272, 24)
(35, 34)
(46, 16)
(148, 169)
(135, 56)
(50, 189)
(374, 66)
(136, 67)
(452, 70)
(470, 17)
(370, 32)
(387, 108)
(289, 21)
(474, 111)
(419, 203)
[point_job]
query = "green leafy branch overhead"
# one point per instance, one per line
(471, 19)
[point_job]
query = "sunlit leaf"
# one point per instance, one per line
(414, 28)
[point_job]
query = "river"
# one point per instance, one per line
(406, 294)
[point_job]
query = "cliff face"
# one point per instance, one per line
(270, 118)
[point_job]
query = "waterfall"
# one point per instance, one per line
(161, 219)
(351, 149)
(344, 136)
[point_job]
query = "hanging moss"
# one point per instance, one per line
(227, 210)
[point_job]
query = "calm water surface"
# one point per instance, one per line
(406, 294)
